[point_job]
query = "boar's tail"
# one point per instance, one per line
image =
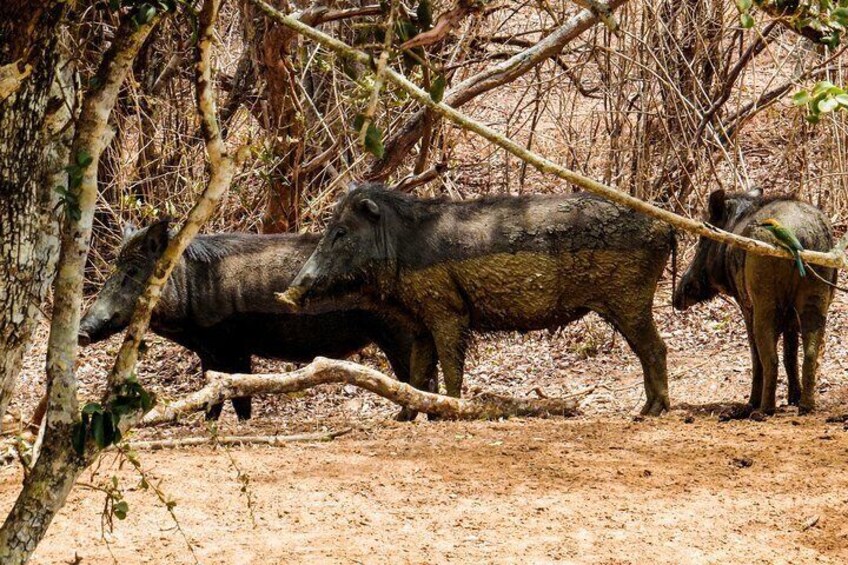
(673, 237)
(824, 280)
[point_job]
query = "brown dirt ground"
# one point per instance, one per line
(601, 488)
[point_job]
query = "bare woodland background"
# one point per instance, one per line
(624, 108)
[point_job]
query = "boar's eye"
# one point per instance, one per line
(132, 275)
(340, 233)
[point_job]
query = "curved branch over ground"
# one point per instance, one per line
(322, 371)
(834, 258)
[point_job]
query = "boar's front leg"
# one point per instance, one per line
(414, 362)
(235, 364)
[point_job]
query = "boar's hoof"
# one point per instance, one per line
(654, 407)
(213, 412)
(406, 415)
(759, 415)
(738, 412)
(804, 410)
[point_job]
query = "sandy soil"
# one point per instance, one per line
(605, 490)
(601, 488)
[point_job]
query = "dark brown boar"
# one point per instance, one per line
(504, 263)
(219, 303)
(775, 300)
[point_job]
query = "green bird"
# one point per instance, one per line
(786, 239)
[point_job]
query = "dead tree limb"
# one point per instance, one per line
(400, 143)
(835, 258)
(323, 371)
(157, 444)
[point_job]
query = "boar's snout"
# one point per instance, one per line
(296, 292)
(685, 295)
(83, 339)
(94, 328)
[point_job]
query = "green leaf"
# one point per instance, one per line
(98, 430)
(826, 105)
(120, 509)
(801, 98)
(437, 89)
(84, 159)
(746, 20)
(79, 434)
(812, 118)
(92, 408)
(744, 5)
(822, 87)
(425, 15)
(374, 141)
(405, 30)
(145, 14)
(358, 122)
(842, 99)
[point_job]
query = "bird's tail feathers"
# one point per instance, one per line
(800, 263)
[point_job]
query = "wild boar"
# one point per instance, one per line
(499, 263)
(775, 300)
(219, 303)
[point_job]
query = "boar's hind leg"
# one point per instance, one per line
(756, 369)
(813, 323)
(450, 338)
(790, 363)
(242, 404)
(765, 338)
(645, 341)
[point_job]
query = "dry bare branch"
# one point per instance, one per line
(323, 371)
(157, 444)
(404, 139)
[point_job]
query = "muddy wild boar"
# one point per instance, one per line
(219, 303)
(498, 263)
(775, 300)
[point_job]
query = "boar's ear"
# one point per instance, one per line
(370, 208)
(129, 229)
(157, 237)
(717, 203)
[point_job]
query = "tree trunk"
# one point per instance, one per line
(34, 141)
(274, 50)
(44, 492)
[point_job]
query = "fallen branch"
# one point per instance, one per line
(157, 444)
(223, 386)
(834, 258)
